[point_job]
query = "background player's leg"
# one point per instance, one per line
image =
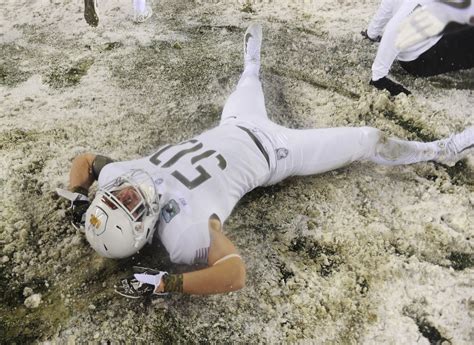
(453, 52)
(247, 102)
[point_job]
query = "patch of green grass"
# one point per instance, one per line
(461, 174)
(461, 261)
(315, 250)
(20, 325)
(247, 7)
(410, 125)
(67, 76)
(10, 73)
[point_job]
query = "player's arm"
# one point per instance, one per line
(386, 55)
(226, 271)
(84, 171)
(379, 21)
(81, 175)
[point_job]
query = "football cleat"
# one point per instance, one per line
(462, 141)
(90, 12)
(252, 44)
(144, 16)
(456, 144)
(130, 287)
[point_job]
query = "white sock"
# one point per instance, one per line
(396, 152)
(139, 6)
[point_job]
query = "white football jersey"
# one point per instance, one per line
(386, 23)
(197, 178)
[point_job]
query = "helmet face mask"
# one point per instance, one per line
(123, 215)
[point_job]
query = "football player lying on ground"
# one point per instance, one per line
(434, 19)
(430, 56)
(187, 190)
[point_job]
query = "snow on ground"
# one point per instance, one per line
(365, 254)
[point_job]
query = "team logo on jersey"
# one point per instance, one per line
(281, 153)
(170, 210)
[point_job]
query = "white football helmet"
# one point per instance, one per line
(123, 215)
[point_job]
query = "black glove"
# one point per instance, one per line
(389, 85)
(79, 205)
(79, 209)
(365, 35)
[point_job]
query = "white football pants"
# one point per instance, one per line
(297, 152)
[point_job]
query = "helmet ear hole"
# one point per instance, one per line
(105, 247)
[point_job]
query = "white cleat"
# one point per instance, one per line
(144, 16)
(456, 144)
(252, 44)
(462, 141)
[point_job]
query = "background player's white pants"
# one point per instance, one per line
(312, 151)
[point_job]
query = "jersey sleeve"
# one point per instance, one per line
(387, 52)
(98, 164)
(380, 19)
(192, 246)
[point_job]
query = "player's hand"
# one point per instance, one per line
(79, 205)
(389, 85)
(152, 279)
(366, 36)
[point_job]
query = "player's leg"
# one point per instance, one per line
(316, 151)
(141, 11)
(247, 102)
(90, 12)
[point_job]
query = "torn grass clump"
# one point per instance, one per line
(62, 76)
(461, 261)
(247, 7)
(10, 73)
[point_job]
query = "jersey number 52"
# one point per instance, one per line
(203, 174)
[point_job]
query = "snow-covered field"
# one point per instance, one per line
(365, 254)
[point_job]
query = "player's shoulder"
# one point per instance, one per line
(184, 230)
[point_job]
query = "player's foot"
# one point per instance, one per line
(130, 287)
(252, 44)
(144, 16)
(90, 12)
(457, 143)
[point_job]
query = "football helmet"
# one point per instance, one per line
(123, 215)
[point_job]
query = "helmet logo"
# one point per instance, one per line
(95, 222)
